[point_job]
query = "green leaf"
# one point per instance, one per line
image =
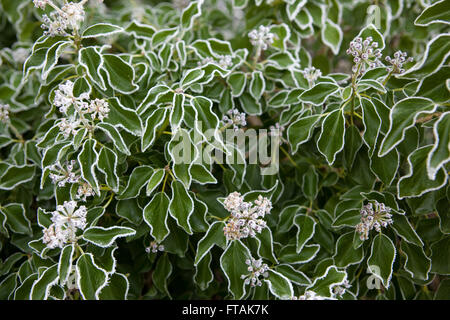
(101, 30)
(416, 182)
(201, 174)
(41, 287)
(237, 81)
(214, 236)
(163, 35)
(279, 285)
(417, 263)
(318, 94)
(232, 263)
(331, 144)
(162, 273)
(372, 124)
(88, 159)
(123, 117)
(288, 254)
(189, 14)
(372, 31)
(265, 245)
(177, 112)
(332, 35)
(117, 288)
(140, 30)
(436, 53)
(440, 153)
(65, 263)
(154, 181)
(119, 73)
(404, 229)
(191, 76)
(16, 219)
(294, 276)
(345, 253)
(203, 274)
(439, 256)
(257, 84)
(381, 259)
(438, 12)
(300, 131)
(155, 215)
(107, 164)
(16, 175)
(352, 145)
(137, 180)
(115, 136)
(52, 57)
(403, 115)
(91, 279)
(105, 237)
(323, 285)
(153, 123)
(305, 230)
(181, 206)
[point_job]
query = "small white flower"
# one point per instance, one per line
(256, 269)
(235, 118)
(74, 13)
(55, 25)
(64, 97)
(309, 295)
(373, 216)
(40, 3)
(261, 37)
(4, 112)
(397, 62)
(84, 191)
(98, 108)
(365, 56)
(60, 175)
(245, 220)
(311, 75)
(68, 126)
(154, 247)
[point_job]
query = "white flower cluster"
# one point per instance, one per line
(85, 190)
(154, 247)
(261, 37)
(225, 61)
(256, 269)
(4, 112)
(365, 55)
(373, 216)
(60, 175)
(66, 220)
(245, 219)
(64, 98)
(235, 118)
(340, 289)
(311, 75)
(309, 295)
(397, 63)
(277, 131)
(69, 16)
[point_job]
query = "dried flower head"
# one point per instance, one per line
(373, 216)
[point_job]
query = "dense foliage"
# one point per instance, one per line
(352, 202)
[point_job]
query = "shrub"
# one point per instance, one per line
(121, 179)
